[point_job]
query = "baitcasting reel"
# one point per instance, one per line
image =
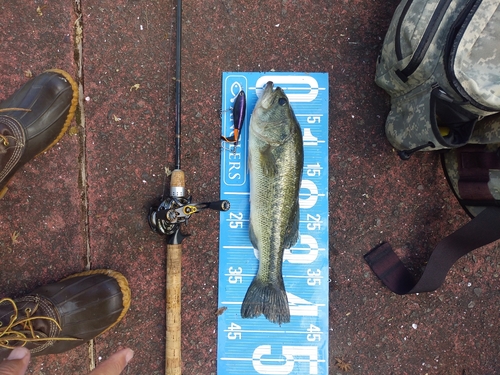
(173, 211)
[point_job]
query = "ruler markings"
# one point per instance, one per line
(301, 346)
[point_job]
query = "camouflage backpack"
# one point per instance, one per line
(450, 101)
(440, 63)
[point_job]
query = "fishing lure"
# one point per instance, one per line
(239, 111)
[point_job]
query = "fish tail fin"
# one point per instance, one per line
(266, 298)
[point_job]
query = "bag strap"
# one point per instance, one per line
(474, 164)
(480, 231)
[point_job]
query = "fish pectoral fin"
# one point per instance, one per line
(292, 231)
(268, 162)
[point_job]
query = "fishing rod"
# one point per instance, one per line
(166, 219)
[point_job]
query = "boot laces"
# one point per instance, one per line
(5, 140)
(20, 329)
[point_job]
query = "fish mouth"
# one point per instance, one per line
(267, 96)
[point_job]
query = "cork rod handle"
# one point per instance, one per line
(173, 363)
(173, 342)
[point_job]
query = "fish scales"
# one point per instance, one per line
(276, 159)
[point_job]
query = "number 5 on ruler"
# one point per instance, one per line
(289, 352)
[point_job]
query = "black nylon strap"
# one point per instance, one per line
(480, 231)
(474, 165)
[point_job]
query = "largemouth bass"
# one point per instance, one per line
(276, 158)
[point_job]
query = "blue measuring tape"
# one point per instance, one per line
(256, 346)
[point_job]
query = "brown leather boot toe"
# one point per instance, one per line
(33, 119)
(61, 316)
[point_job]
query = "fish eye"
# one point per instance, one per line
(282, 101)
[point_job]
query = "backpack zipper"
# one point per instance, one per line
(456, 33)
(423, 45)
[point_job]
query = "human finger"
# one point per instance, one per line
(16, 363)
(115, 364)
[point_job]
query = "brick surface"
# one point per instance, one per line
(84, 203)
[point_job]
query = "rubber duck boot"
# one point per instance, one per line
(34, 119)
(61, 316)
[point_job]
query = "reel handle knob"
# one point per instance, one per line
(223, 205)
